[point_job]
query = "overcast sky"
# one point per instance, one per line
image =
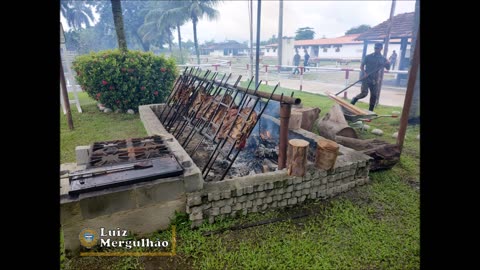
(327, 18)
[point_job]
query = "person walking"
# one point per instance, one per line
(306, 57)
(370, 68)
(296, 62)
(393, 59)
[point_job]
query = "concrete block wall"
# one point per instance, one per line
(142, 207)
(250, 194)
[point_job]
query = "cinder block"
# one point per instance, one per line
(292, 201)
(226, 194)
(194, 199)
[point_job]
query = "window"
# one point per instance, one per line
(325, 49)
(268, 50)
(337, 49)
(274, 50)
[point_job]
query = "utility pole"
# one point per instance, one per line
(385, 49)
(257, 62)
(251, 37)
(280, 33)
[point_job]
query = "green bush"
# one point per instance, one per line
(125, 80)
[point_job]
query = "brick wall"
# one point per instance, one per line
(240, 196)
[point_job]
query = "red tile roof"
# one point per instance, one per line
(402, 27)
(347, 39)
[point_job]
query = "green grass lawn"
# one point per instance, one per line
(376, 226)
(94, 126)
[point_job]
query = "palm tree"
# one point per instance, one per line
(153, 32)
(77, 13)
(165, 17)
(195, 10)
(118, 21)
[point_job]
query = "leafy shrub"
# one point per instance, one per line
(125, 80)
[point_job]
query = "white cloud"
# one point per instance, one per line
(329, 18)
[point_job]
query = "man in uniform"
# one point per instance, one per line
(370, 68)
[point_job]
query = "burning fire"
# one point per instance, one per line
(265, 135)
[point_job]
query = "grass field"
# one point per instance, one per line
(376, 226)
(94, 126)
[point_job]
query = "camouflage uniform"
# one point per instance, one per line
(372, 62)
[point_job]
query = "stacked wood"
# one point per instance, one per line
(384, 154)
(334, 124)
(297, 157)
(295, 120)
(309, 116)
(347, 105)
(326, 154)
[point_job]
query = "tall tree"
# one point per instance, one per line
(304, 33)
(77, 13)
(358, 30)
(196, 9)
(118, 21)
(165, 17)
(133, 13)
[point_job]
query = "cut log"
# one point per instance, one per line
(347, 105)
(326, 154)
(384, 154)
(309, 116)
(297, 157)
(334, 124)
(295, 121)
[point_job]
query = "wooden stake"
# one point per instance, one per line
(66, 100)
(297, 157)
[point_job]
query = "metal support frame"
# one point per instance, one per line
(177, 115)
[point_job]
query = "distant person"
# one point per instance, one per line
(296, 62)
(370, 68)
(393, 59)
(306, 57)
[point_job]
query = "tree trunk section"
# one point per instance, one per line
(326, 154)
(195, 40)
(180, 42)
(334, 123)
(297, 157)
(295, 121)
(118, 21)
(309, 116)
(384, 154)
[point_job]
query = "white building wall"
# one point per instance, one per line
(216, 53)
(271, 52)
